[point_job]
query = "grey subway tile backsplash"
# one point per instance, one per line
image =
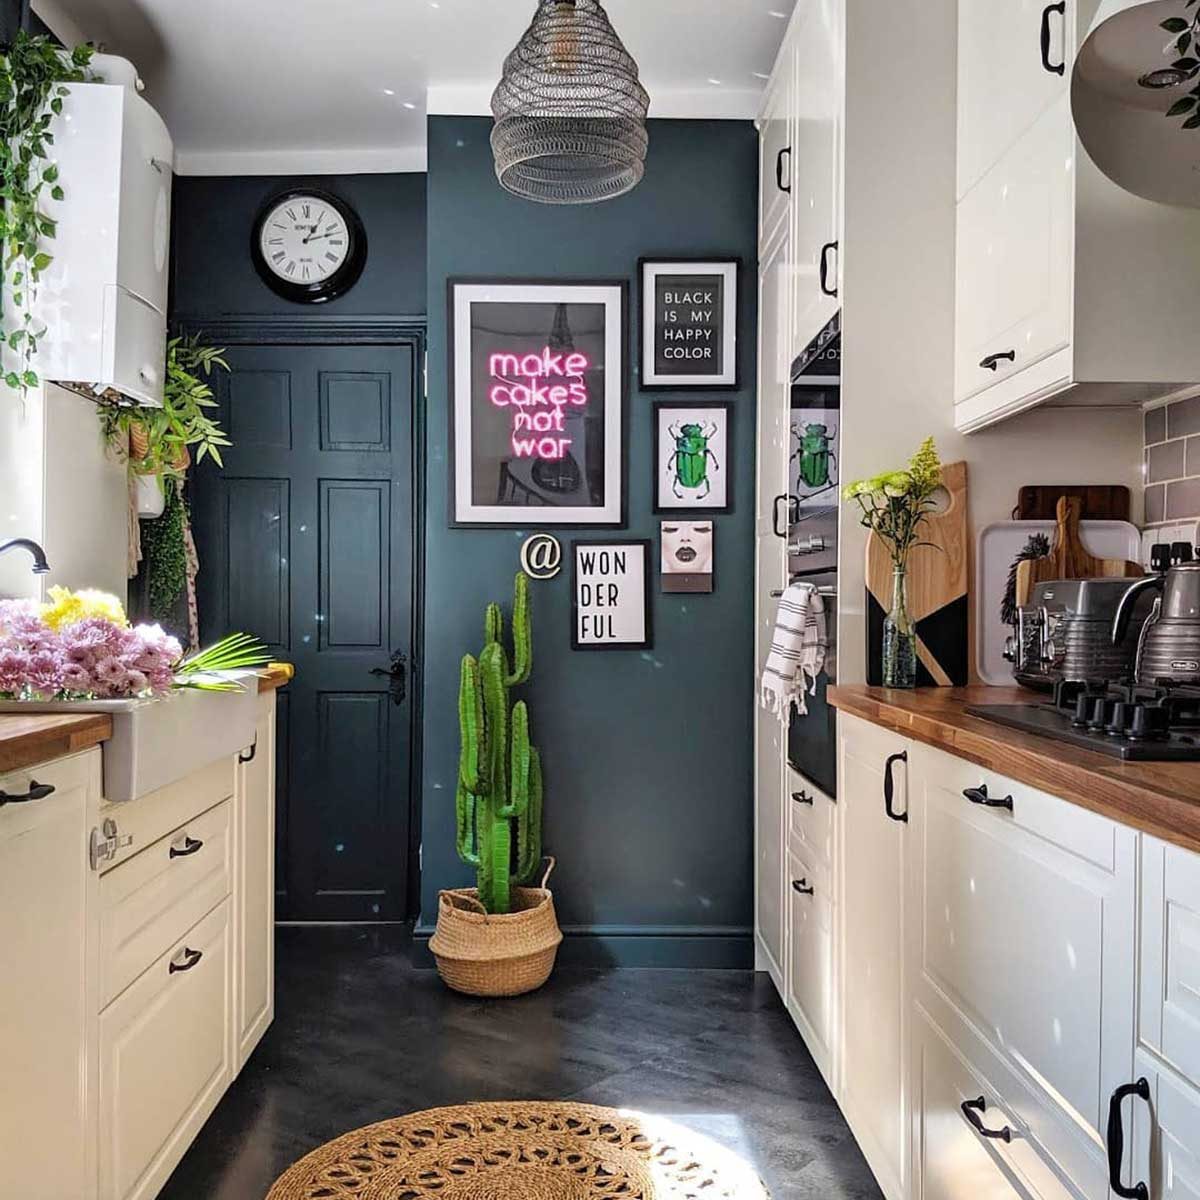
(1165, 461)
(1183, 417)
(1156, 503)
(1155, 420)
(1183, 499)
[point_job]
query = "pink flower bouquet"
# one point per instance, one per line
(81, 647)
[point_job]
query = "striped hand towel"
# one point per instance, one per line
(797, 654)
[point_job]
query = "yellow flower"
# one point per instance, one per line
(66, 607)
(926, 468)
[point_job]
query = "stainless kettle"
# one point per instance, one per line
(1169, 644)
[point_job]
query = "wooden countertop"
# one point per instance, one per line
(28, 740)
(1162, 799)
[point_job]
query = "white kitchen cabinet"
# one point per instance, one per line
(1161, 1128)
(873, 846)
(47, 982)
(1169, 1013)
(254, 889)
(1012, 57)
(810, 932)
(1043, 1006)
(770, 578)
(812, 821)
(166, 1058)
(775, 151)
(1048, 244)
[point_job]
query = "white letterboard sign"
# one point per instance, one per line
(610, 607)
(689, 324)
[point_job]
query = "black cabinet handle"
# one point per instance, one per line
(801, 886)
(1061, 9)
(971, 1109)
(190, 959)
(793, 512)
(980, 795)
(396, 674)
(825, 288)
(1116, 1140)
(994, 360)
(246, 756)
(889, 787)
(802, 798)
(37, 791)
(189, 847)
(783, 187)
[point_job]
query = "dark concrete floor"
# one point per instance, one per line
(360, 1036)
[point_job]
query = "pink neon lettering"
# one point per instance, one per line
(536, 393)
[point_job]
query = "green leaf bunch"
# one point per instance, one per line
(1184, 46)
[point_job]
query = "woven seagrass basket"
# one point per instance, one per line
(502, 955)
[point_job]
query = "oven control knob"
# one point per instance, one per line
(1119, 719)
(1149, 722)
(1101, 713)
(1083, 710)
(1010, 649)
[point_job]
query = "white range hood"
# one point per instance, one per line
(1121, 116)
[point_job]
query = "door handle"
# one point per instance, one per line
(247, 756)
(801, 886)
(824, 269)
(980, 795)
(397, 673)
(994, 360)
(793, 513)
(190, 846)
(971, 1109)
(783, 187)
(1061, 9)
(802, 798)
(37, 791)
(889, 787)
(187, 960)
(1116, 1140)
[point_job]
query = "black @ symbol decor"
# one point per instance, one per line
(308, 246)
(610, 604)
(537, 403)
(541, 556)
(689, 323)
(693, 457)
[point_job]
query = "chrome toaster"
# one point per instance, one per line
(1065, 632)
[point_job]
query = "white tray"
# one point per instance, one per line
(998, 546)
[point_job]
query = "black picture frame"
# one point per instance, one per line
(317, 291)
(651, 381)
(543, 519)
(712, 510)
(643, 544)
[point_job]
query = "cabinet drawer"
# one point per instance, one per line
(1022, 938)
(810, 955)
(151, 817)
(810, 817)
(1170, 982)
(1165, 1150)
(952, 1158)
(154, 898)
(165, 1060)
(1015, 258)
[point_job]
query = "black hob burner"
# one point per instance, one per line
(1159, 723)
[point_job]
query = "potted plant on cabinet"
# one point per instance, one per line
(499, 938)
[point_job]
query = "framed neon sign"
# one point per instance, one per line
(537, 402)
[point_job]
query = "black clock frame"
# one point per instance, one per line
(317, 291)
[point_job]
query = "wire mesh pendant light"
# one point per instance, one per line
(570, 113)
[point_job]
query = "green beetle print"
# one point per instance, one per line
(688, 463)
(816, 455)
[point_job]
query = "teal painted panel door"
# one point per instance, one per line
(306, 539)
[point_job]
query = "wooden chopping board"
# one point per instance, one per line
(1069, 558)
(938, 585)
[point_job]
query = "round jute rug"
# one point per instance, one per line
(521, 1150)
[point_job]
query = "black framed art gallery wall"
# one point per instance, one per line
(648, 753)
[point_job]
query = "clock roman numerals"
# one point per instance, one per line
(307, 246)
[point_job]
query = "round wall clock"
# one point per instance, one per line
(308, 246)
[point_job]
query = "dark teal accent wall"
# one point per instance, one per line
(648, 756)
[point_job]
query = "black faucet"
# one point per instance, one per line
(40, 565)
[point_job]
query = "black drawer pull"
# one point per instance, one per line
(994, 360)
(783, 187)
(245, 756)
(980, 795)
(801, 886)
(889, 787)
(37, 791)
(190, 959)
(971, 1109)
(1116, 1140)
(802, 798)
(189, 847)
(1060, 8)
(826, 290)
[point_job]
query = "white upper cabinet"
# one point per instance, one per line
(1069, 289)
(1012, 57)
(776, 160)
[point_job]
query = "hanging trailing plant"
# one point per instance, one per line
(165, 553)
(1185, 46)
(34, 74)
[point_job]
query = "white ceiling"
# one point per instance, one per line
(291, 86)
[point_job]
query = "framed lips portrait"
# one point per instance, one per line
(687, 560)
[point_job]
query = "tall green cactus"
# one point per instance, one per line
(499, 793)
